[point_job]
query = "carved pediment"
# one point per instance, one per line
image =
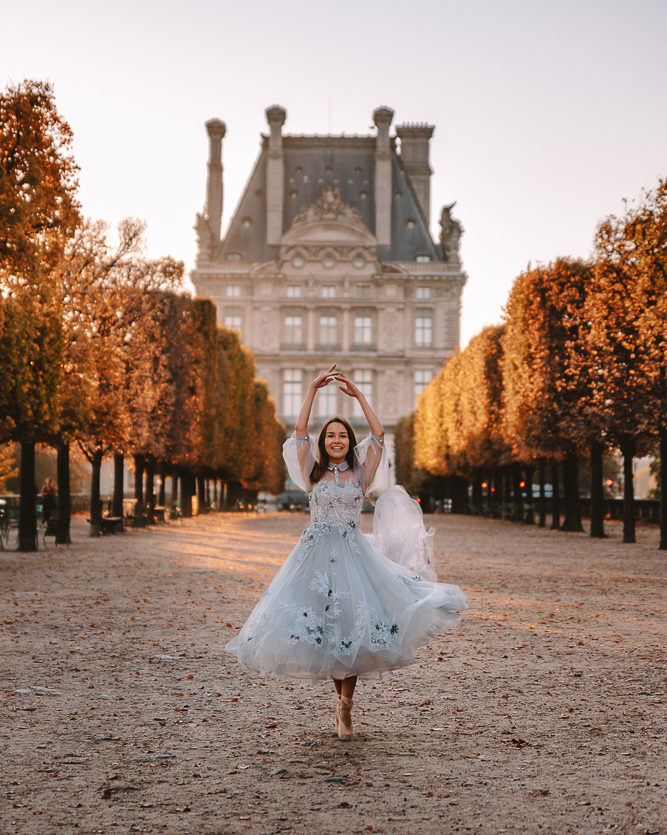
(329, 223)
(328, 207)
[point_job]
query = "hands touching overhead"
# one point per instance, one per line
(347, 387)
(330, 375)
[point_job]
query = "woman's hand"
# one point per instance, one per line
(324, 378)
(348, 386)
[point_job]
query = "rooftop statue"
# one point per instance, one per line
(450, 234)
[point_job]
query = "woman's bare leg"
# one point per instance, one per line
(347, 686)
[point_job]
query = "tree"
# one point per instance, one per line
(430, 434)
(480, 443)
(628, 312)
(268, 438)
(407, 474)
(38, 183)
(112, 297)
(38, 214)
(543, 321)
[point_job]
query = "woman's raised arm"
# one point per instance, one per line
(301, 427)
(349, 388)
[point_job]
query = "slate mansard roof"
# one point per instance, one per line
(313, 163)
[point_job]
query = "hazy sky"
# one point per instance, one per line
(547, 112)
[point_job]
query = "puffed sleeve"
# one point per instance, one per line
(371, 465)
(299, 454)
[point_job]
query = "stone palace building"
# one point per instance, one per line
(328, 258)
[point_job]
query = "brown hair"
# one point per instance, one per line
(322, 464)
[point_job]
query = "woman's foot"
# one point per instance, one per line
(344, 718)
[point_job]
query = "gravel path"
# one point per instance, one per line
(542, 711)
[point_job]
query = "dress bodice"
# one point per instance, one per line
(336, 502)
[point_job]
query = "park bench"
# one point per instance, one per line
(157, 514)
(133, 520)
(112, 524)
(51, 528)
(109, 524)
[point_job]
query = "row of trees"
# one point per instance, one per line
(102, 347)
(578, 368)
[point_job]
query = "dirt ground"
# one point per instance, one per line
(541, 711)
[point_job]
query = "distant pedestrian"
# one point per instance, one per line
(48, 496)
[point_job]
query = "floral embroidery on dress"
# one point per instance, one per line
(332, 502)
(307, 625)
(384, 632)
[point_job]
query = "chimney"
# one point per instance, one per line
(414, 153)
(275, 187)
(216, 130)
(382, 117)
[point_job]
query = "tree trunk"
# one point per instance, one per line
(498, 493)
(162, 496)
(186, 494)
(517, 494)
(555, 497)
(464, 484)
(201, 494)
(628, 452)
(477, 497)
(150, 481)
(597, 496)
(572, 520)
(529, 471)
(543, 500)
(459, 494)
(663, 488)
(139, 464)
(175, 474)
(233, 495)
(27, 510)
(118, 478)
(95, 501)
(64, 501)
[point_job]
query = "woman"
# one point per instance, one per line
(339, 607)
(48, 496)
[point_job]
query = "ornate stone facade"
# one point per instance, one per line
(329, 258)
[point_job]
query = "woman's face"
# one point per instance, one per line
(336, 442)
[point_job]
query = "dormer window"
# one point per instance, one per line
(423, 258)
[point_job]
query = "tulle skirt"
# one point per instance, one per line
(339, 607)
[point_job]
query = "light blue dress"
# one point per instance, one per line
(340, 605)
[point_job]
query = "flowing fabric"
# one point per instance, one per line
(339, 605)
(399, 532)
